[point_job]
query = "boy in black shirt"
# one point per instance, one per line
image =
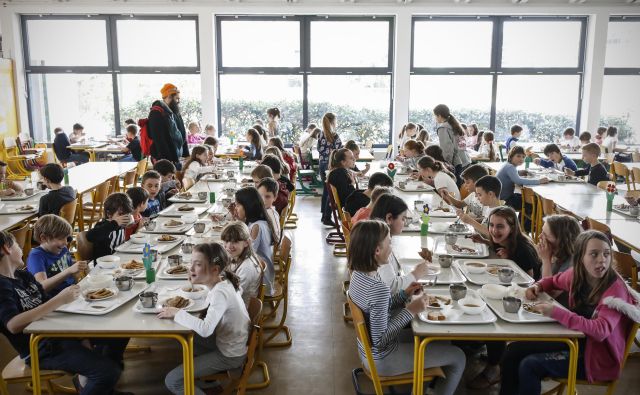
(109, 233)
(59, 195)
(361, 198)
(61, 145)
(133, 150)
(596, 170)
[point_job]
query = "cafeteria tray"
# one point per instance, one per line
(522, 316)
(455, 316)
(172, 211)
(450, 275)
(521, 277)
(135, 248)
(81, 306)
(441, 248)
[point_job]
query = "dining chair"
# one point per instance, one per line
(128, 180)
(92, 211)
(611, 385)
(528, 211)
(279, 298)
(339, 245)
(141, 168)
(346, 230)
(187, 183)
(362, 335)
(17, 372)
(635, 174)
(84, 251)
(68, 212)
(621, 170)
(292, 218)
(22, 234)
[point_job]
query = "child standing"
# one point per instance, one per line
(51, 263)
(52, 175)
(139, 199)
(108, 233)
(268, 190)
(226, 316)
(600, 306)
(556, 159)
(244, 262)
(157, 201)
(594, 169)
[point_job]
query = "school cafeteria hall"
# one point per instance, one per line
(320, 197)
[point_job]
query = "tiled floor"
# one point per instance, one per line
(323, 351)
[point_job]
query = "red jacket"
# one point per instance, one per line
(282, 200)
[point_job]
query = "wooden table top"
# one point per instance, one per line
(87, 176)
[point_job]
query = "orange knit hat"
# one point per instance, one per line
(169, 89)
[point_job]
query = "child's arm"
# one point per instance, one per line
(20, 321)
(469, 220)
(451, 200)
(15, 186)
(49, 283)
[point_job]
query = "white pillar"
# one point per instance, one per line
(207, 68)
(594, 70)
(402, 67)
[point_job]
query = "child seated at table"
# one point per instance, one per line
(488, 149)
(25, 301)
(585, 138)
(260, 172)
(487, 191)
(600, 133)
(509, 176)
(109, 232)
(282, 199)
(157, 200)
(169, 185)
(196, 166)
(469, 175)
(244, 262)
(139, 200)
(361, 198)
(443, 182)
(52, 175)
(557, 243)
(601, 306)
(271, 155)
(194, 136)
(210, 130)
(365, 211)
(51, 262)
(61, 149)
(133, 150)
(253, 151)
(516, 132)
(569, 139)
(248, 208)
(392, 210)
(355, 149)
(212, 143)
(286, 156)
(389, 313)
(268, 190)
(594, 169)
(221, 341)
(7, 187)
(556, 159)
(413, 151)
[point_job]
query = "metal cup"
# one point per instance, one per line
(450, 238)
(150, 226)
(28, 191)
(457, 291)
(187, 248)
(445, 260)
(198, 227)
(148, 299)
(506, 274)
(174, 260)
(402, 184)
(41, 186)
(231, 173)
(202, 195)
(511, 304)
(125, 283)
(634, 210)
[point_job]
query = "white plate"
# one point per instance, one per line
(455, 316)
(443, 227)
(13, 209)
(415, 187)
(441, 248)
(450, 275)
(166, 241)
(521, 277)
(114, 293)
(166, 272)
(21, 196)
(437, 212)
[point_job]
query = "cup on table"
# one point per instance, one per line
(231, 173)
(174, 260)
(202, 195)
(148, 299)
(124, 283)
(506, 274)
(402, 184)
(450, 238)
(199, 227)
(511, 304)
(28, 191)
(445, 260)
(150, 226)
(187, 248)
(634, 210)
(457, 291)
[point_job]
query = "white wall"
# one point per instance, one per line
(599, 15)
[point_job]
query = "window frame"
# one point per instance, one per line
(113, 68)
(623, 70)
(496, 69)
(305, 68)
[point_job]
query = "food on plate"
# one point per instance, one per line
(464, 250)
(438, 302)
(174, 223)
(97, 294)
(436, 316)
(528, 307)
(475, 264)
(167, 238)
(177, 302)
(493, 270)
(186, 207)
(25, 208)
(443, 209)
(180, 269)
(471, 305)
(132, 265)
(185, 195)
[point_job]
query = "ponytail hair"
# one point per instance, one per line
(479, 140)
(488, 138)
(274, 112)
(427, 162)
(195, 151)
(327, 127)
(414, 145)
(443, 111)
(216, 255)
(410, 125)
(339, 155)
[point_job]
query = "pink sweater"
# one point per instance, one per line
(195, 138)
(606, 331)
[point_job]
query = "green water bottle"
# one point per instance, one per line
(241, 163)
(66, 177)
(424, 227)
(527, 162)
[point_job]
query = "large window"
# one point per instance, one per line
(498, 71)
(621, 89)
(99, 70)
(306, 66)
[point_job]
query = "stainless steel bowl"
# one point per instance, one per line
(174, 260)
(445, 260)
(450, 238)
(457, 291)
(506, 274)
(511, 304)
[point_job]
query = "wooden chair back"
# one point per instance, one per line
(284, 257)
(338, 203)
(187, 183)
(362, 335)
(68, 212)
(84, 247)
(141, 168)
(529, 197)
(292, 204)
(129, 179)
(621, 170)
(98, 196)
(635, 173)
(346, 229)
(22, 234)
(603, 185)
(626, 266)
(635, 156)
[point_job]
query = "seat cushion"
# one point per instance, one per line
(17, 369)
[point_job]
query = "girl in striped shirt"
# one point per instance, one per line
(387, 315)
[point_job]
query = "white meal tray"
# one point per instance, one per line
(441, 248)
(125, 258)
(162, 229)
(623, 209)
(13, 209)
(449, 275)
(440, 211)
(162, 247)
(522, 316)
(172, 211)
(193, 199)
(521, 277)
(21, 196)
(443, 227)
(81, 306)
(210, 230)
(161, 273)
(166, 292)
(415, 187)
(455, 316)
(566, 180)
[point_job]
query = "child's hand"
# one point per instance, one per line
(420, 270)
(543, 308)
(544, 180)
(464, 217)
(532, 292)
(68, 294)
(80, 266)
(568, 171)
(168, 312)
(477, 238)
(502, 253)
(173, 191)
(413, 289)
(418, 305)
(426, 254)
(536, 161)
(122, 219)
(414, 175)
(544, 250)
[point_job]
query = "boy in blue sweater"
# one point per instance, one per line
(516, 132)
(556, 159)
(51, 263)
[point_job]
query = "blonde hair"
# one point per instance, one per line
(274, 150)
(51, 226)
(262, 171)
(327, 127)
(379, 191)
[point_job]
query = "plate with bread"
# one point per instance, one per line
(443, 310)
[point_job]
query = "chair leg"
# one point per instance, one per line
(280, 327)
(59, 388)
(266, 379)
(137, 348)
(346, 313)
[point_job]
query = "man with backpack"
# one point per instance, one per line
(164, 135)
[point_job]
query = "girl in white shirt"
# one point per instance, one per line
(488, 149)
(244, 262)
(408, 132)
(226, 316)
(444, 183)
(195, 165)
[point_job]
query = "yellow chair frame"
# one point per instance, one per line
(280, 298)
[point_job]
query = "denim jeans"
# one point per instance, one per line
(324, 204)
(101, 366)
(78, 157)
(525, 364)
(127, 158)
